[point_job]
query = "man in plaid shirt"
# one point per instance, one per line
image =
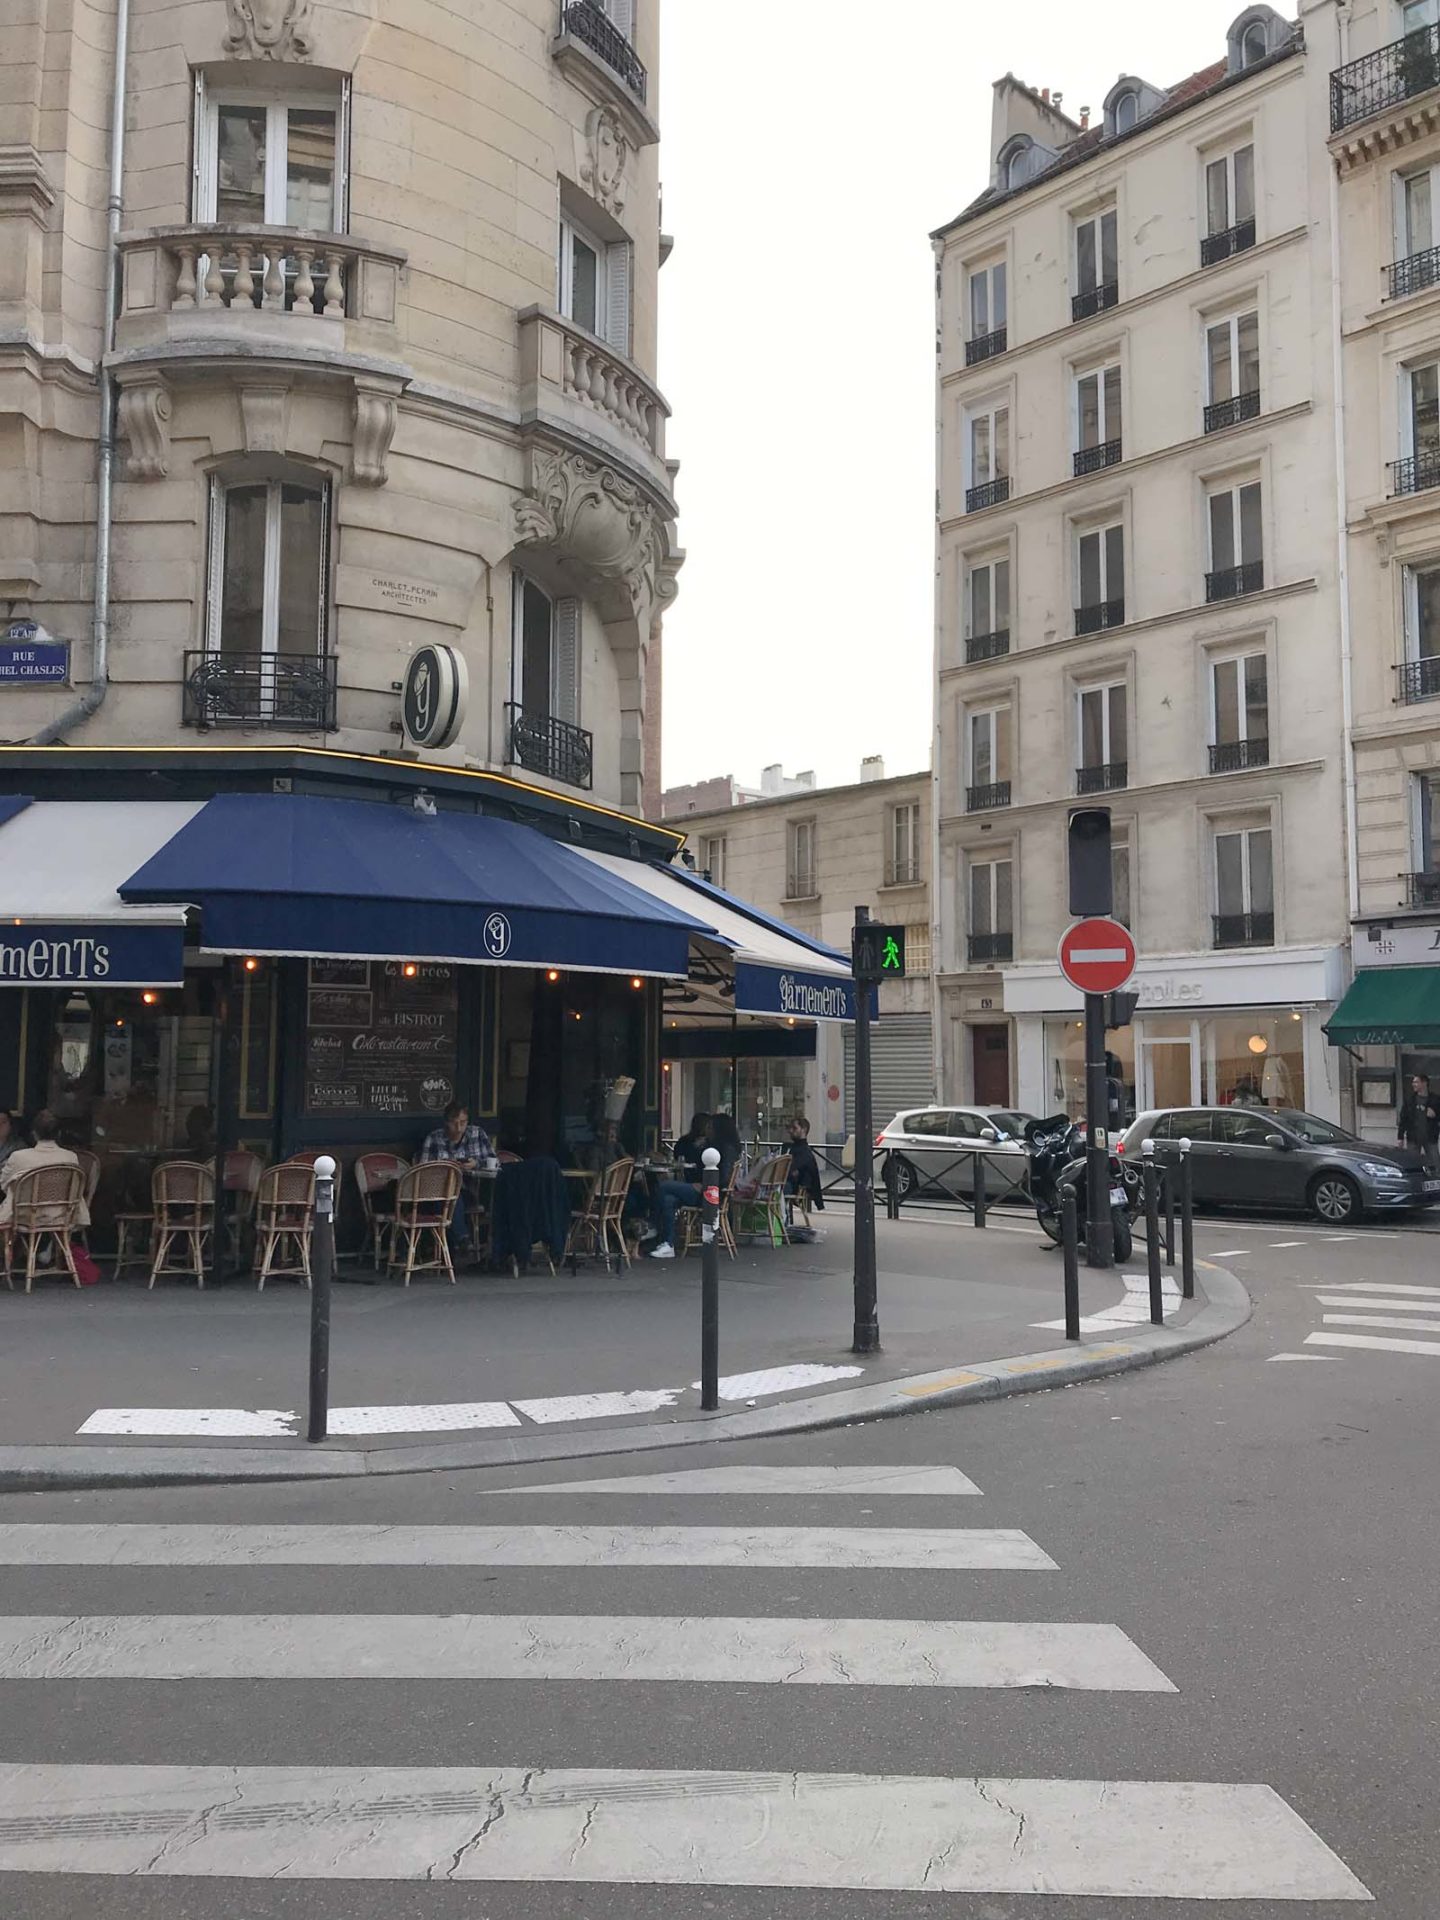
(467, 1146)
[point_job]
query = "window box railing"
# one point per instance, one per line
(291, 691)
(1229, 413)
(1418, 680)
(593, 28)
(1232, 583)
(1423, 889)
(994, 493)
(1237, 756)
(1099, 615)
(987, 646)
(986, 799)
(1414, 274)
(1216, 247)
(983, 949)
(902, 873)
(1093, 459)
(1244, 929)
(1107, 778)
(1095, 300)
(542, 744)
(985, 346)
(1415, 474)
(1378, 81)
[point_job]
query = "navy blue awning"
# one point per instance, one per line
(303, 875)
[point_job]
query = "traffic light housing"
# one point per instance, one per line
(879, 952)
(1120, 1009)
(1091, 884)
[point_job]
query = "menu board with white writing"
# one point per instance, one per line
(382, 1038)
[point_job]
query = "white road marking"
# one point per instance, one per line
(1229, 1253)
(229, 1423)
(876, 1480)
(765, 1651)
(750, 1386)
(1432, 1347)
(1371, 1304)
(142, 1544)
(597, 1406)
(1299, 1356)
(1137, 1838)
(1402, 1322)
(456, 1417)
(1373, 1286)
(1287, 1243)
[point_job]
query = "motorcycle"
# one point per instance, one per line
(1057, 1161)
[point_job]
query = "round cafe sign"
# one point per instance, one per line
(433, 694)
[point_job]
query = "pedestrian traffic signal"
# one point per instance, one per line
(879, 952)
(1092, 889)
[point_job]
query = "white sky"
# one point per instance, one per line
(809, 148)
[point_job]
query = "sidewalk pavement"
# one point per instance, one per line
(120, 1384)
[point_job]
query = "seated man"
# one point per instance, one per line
(671, 1195)
(46, 1152)
(468, 1146)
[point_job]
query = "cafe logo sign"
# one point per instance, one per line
(433, 697)
(812, 1002)
(497, 936)
(78, 959)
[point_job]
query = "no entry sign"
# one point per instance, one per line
(1097, 956)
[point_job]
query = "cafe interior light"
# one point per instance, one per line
(149, 997)
(252, 965)
(1257, 1043)
(410, 969)
(637, 983)
(552, 974)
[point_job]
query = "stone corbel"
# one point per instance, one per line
(270, 29)
(601, 526)
(144, 408)
(376, 412)
(265, 418)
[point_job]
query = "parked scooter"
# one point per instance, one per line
(1057, 1161)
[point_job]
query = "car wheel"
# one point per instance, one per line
(904, 1175)
(1335, 1199)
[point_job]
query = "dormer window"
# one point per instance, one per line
(1258, 33)
(1019, 161)
(1253, 46)
(1129, 102)
(1127, 112)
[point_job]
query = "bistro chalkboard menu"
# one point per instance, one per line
(380, 1040)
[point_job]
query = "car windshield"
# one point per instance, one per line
(1319, 1133)
(1012, 1125)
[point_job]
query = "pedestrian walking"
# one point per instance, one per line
(1419, 1122)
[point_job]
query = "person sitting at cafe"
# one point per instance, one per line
(11, 1138)
(469, 1147)
(671, 1195)
(46, 1152)
(690, 1146)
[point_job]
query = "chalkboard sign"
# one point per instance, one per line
(381, 1039)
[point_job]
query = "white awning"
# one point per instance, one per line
(63, 860)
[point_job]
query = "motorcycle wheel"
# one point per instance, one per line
(1049, 1224)
(1124, 1239)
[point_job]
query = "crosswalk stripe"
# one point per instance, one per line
(1369, 1301)
(1400, 1321)
(866, 1480)
(1146, 1839)
(1380, 1341)
(846, 1548)
(1373, 1286)
(763, 1651)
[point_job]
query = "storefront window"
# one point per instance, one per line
(130, 1072)
(1065, 1067)
(1254, 1059)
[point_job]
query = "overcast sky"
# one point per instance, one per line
(809, 149)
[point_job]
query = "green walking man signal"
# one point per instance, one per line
(879, 952)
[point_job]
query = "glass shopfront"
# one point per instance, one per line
(1169, 1060)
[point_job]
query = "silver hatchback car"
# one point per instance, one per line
(939, 1144)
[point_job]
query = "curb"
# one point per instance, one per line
(1227, 1307)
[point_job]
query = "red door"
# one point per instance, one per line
(990, 1053)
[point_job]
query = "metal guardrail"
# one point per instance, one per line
(1384, 79)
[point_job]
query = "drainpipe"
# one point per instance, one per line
(1347, 691)
(89, 702)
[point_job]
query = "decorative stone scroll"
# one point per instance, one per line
(270, 29)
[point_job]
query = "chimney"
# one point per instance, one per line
(1045, 95)
(1084, 118)
(872, 767)
(805, 781)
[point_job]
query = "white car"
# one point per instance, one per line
(938, 1145)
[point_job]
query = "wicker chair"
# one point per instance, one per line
(425, 1200)
(284, 1221)
(183, 1200)
(689, 1220)
(598, 1223)
(374, 1170)
(242, 1181)
(45, 1204)
(763, 1211)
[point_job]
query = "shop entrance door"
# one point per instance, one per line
(990, 1058)
(1168, 1063)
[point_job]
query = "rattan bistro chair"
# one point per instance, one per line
(690, 1220)
(763, 1211)
(374, 1171)
(284, 1221)
(45, 1204)
(183, 1202)
(425, 1200)
(596, 1226)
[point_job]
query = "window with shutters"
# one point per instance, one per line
(712, 858)
(1419, 465)
(986, 451)
(1099, 578)
(1097, 423)
(987, 317)
(544, 709)
(1239, 711)
(801, 872)
(1096, 264)
(1102, 737)
(1232, 370)
(990, 894)
(902, 868)
(1420, 671)
(1244, 883)
(1229, 205)
(917, 948)
(594, 282)
(987, 769)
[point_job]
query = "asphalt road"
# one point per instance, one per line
(1254, 1531)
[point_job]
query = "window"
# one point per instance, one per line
(1120, 874)
(987, 456)
(987, 609)
(800, 868)
(903, 866)
(546, 682)
(988, 319)
(1417, 14)
(712, 858)
(1017, 165)
(988, 758)
(1425, 880)
(1096, 268)
(269, 566)
(917, 947)
(1236, 559)
(1230, 190)
(1420, 673)
(1102, 734)
(1254, 44)
(1244, 887)
(1420, 429)
(594, 283)
(270, 162)
(992, 933)
(1097, 419)
(1239, 713)
(621, 15)
(1232, 370)
(1126, 111)
(1100, 572)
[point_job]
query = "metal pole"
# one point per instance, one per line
(1152, 1233)
(710, 1282)
(892, 1189)
(1187, 1223)
(322, 1267)
(225, 1120)
(1169, 1173)
(867, 1315)
(1070, 1246)
(979, 1189)
(1099, 1234)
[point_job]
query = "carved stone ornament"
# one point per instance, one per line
(608, 150)
(375, 416)
(270, 29)
(591, 516)
(145, 423)
(265, 418)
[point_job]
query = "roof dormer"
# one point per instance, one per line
(1259, 32)
(1129, 102)
(1020, 160)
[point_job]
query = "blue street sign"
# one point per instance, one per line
(24, 660)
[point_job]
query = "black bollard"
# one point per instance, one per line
(1169, 1216)
(1187, 1223)
(322, 1269)
(1151, 1175)
(980, 1189)
(1070, 1245)
(710, 1283)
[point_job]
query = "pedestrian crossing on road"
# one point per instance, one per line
(1393, 1312)
(536, 1819)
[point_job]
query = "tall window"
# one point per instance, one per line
(1232, 370)
(988, 784)
(621, 15)
(1100, 575)
(1415, 14)
(546, 682)
(1126, 111)
(903, 866)
(1230, 190)
(1097, 419)
(1425, 880)
(987, 455)
(987, 303)
(1240, 713)
(1421, 429)
(1254, 44)
(992, 927)
(1244, 886)
(269, 588)
(987, 608)
(1420, 672)
(712, 858)
(1096, 262)
(917, 948)
(594, 283)
(270, 162)
(1236, 553)
(1103, 737)
(801, 873)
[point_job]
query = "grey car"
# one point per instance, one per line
(936, 1146)
(1260, 1157)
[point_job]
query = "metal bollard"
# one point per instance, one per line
(322, 1268)
(1169, 1216)
(1187, 1223)
(1070, 1246)
(980, 1189)
(710, 1283)
(1151, 1176)
(892, 1188)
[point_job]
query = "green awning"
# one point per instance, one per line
(1388, 1006)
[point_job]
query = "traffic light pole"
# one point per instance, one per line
(867, 1316)
(1099, 1232)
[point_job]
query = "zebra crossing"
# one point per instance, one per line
(1391, 1314)
(537, 1820)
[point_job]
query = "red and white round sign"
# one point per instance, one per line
(1097, 956)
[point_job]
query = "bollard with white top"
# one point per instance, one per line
(322, 1268)
(710, 1281)
(1151, 1176)
(1187, 1222)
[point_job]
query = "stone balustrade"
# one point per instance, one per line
(279, 271)
(591, 377)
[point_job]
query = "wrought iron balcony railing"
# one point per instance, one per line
(1099, 615)
(1095, 300)
(987, 646)
(1414, 274)
(1110, 777)
(1422, 889)
(1216, 247)
(291, 691)
(1415, 474)
(985, 346)
(1418, 680)
(985, 948)
(1229, 413)
(1231, 583)
(801, 884)
(902, 873)
(1092, 459)
(1378, 81)
(1244, 929)
(542, 744)
(994, 493)
(593, 28)
(986, 799)
(1236, 756)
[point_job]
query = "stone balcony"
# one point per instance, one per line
(572, 381)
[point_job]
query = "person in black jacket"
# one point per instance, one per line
(804, 1179)
(690, 1146)
(671, 1195)
(1419, 1122)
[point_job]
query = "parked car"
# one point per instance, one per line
(1261, 1158)
(939, 1143)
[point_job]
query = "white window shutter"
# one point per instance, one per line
(342, 160)
(215, 572)
(617, 296)
(565, 697)
(322, 610)
(201, 163)
(622, 16)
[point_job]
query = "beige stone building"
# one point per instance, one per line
(809, 858)
(382, 361)
(1140, 585)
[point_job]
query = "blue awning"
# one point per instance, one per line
(303, 875)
